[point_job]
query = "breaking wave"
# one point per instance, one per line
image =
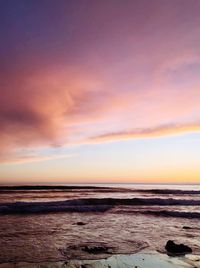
(96, 205)
(159, 212)
(167, 213)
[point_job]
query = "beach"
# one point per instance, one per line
(98, 226)
(139, 260)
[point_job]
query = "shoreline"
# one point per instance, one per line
(98, 228)
(141, 259)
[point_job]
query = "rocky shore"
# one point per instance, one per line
(99, 228)
(138, 260)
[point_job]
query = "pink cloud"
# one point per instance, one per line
(107, 76)
(34, 107)
(153, 132)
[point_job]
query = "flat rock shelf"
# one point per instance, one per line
(138, 260)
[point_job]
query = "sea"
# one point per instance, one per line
(61, 222)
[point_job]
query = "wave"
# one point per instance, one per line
(48, 187)
(169, 191)
(89, 205)
(79, 188)
(54, 189)
(167, 213)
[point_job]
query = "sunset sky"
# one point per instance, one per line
(99, 91)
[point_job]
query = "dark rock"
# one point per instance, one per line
(177, 249)
(187, 227)
(95, 249)
(81, 223)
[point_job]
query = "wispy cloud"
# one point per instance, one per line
(158, 131)
(33, 158)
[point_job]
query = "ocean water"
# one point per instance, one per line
(57, 223)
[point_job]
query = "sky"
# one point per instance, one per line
(99, 91)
